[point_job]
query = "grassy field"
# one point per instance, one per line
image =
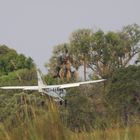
(34, 124)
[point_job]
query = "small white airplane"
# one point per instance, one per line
(55, 91)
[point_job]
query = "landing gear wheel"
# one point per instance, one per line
(61, 102)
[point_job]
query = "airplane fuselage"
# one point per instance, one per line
(55, 92)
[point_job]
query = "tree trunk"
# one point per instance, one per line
(85, 65)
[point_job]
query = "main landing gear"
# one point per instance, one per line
(65, 102)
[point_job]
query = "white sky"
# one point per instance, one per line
(34, 27)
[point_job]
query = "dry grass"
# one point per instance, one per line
(132, 133)
(46, 125)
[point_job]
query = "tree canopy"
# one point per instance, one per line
(102, 52)
(10, 60)
(123, 94)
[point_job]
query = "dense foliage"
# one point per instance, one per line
(15, 69)
(10, 60)
(101, 52)
(123, 95)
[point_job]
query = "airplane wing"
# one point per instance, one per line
(21, 87)
(63, 86)
(80, 83)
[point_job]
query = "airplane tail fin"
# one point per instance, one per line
(40, 81)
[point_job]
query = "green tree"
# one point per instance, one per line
(113, 50)
(81, 43)
(61, 63)
(56, 60)
(123, 94)
(10, 60)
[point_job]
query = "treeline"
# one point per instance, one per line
(101, 52)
